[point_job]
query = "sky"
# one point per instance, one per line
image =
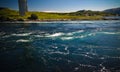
(63, 5)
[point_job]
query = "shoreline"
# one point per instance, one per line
(52, 21)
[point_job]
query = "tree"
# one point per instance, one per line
(33, 17)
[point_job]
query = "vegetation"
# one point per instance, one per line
(11, 15)
(20, 19)
(33, 17)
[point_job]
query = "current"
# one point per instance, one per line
(60, 46)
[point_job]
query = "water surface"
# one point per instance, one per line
(62, 46)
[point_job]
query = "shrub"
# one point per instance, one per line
(4, 18)
(33, 17)
(20, 19)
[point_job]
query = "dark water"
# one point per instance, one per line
(67, 46)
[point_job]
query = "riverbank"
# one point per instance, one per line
(54, 21)
(10, 15)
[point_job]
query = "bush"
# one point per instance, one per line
(20, 19)
(5, 18)
(33, 17)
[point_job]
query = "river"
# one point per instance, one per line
(60, 46)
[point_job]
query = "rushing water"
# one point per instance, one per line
(66, 46)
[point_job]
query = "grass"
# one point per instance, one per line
(57, 16)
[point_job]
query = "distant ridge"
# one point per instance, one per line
(113, 10)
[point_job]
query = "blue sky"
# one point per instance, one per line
(63, 5)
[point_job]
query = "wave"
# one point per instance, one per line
(86, 35)
(39, 36)
(55, 34)
(60, 34)
(77, 37)
(83, 22)
(58, 52)
(72, 33)
(50, 35)
(23, 34)
(83, 65)
(67, 38)
(23, 40)
(65, 34)
(110, 32)
(6, 36)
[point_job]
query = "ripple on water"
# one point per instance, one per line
(22, 34)
(79, 45)
(23, 40)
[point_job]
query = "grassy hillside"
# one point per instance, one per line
(79, 15)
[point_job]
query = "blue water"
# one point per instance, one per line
(62, 46)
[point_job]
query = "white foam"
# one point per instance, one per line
(58, 52)
(54, 47)
(76, 68)
(23, 34)
(110, 32)
(79, 37)
(63, 36)
(79, 31)
(66, 47)
(66, 34)
(23, 40)
(86, 35)
(69, 34)
(82, 36)
(86, 22)
(6, 36)
(67, 38)
(55, 34)
(38, 36)
(84, 65)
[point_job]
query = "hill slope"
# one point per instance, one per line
(113, 10)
